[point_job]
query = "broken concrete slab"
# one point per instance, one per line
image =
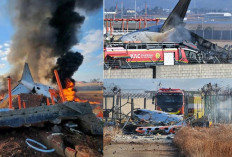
(54, 114)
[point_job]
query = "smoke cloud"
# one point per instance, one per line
(181, 34)
(223, 109)
(67, 65)
(45, 31)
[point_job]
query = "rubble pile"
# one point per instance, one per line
(133, 145)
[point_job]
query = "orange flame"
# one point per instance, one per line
(69, 94)
(98, 111)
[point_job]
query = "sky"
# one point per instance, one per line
(140, 85)
(90, 45)
(211, 4)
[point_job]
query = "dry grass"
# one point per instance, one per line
(91, 95)
(205, 142)
(80, 84)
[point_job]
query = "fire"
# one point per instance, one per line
(69, 93)
(98, 111)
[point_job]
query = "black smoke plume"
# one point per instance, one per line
(67, 65)
(44, 31)
(66, 23)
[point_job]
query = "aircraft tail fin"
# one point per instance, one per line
(27, 74)
(177, 15)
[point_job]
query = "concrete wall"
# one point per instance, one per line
(174, 71)
(128, 73)
(195, 71)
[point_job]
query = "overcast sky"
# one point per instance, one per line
(212, 4)
(153, 84)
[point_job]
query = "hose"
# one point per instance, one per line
(45, 150)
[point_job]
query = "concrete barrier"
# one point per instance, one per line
(128, 73)
(195, 71)
(174, 71)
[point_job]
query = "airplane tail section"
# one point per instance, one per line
(177, 15)
(27, 74)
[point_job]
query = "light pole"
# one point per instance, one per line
(202, 28)
(135, 9)
(212, 33)
(230, 31)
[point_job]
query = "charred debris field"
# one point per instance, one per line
(117, 144)
(72, 127)
(188, 141)
(59, 119)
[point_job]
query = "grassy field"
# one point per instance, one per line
(91, 95)
(81, 84)
(205, 142)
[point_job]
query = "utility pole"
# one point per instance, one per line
(145, 9)
(202, 28)
(132, 108)
(230, 32)
(135, 9)
(121, 10)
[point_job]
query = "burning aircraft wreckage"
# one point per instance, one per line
(146, 47)
(46, 32)
(31, 103)
(43, 107)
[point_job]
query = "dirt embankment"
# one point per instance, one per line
(12, 143)
(208, 142)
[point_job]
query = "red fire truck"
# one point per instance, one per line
(136, 55)
(170, 100)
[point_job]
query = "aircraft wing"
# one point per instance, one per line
(18, 90)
